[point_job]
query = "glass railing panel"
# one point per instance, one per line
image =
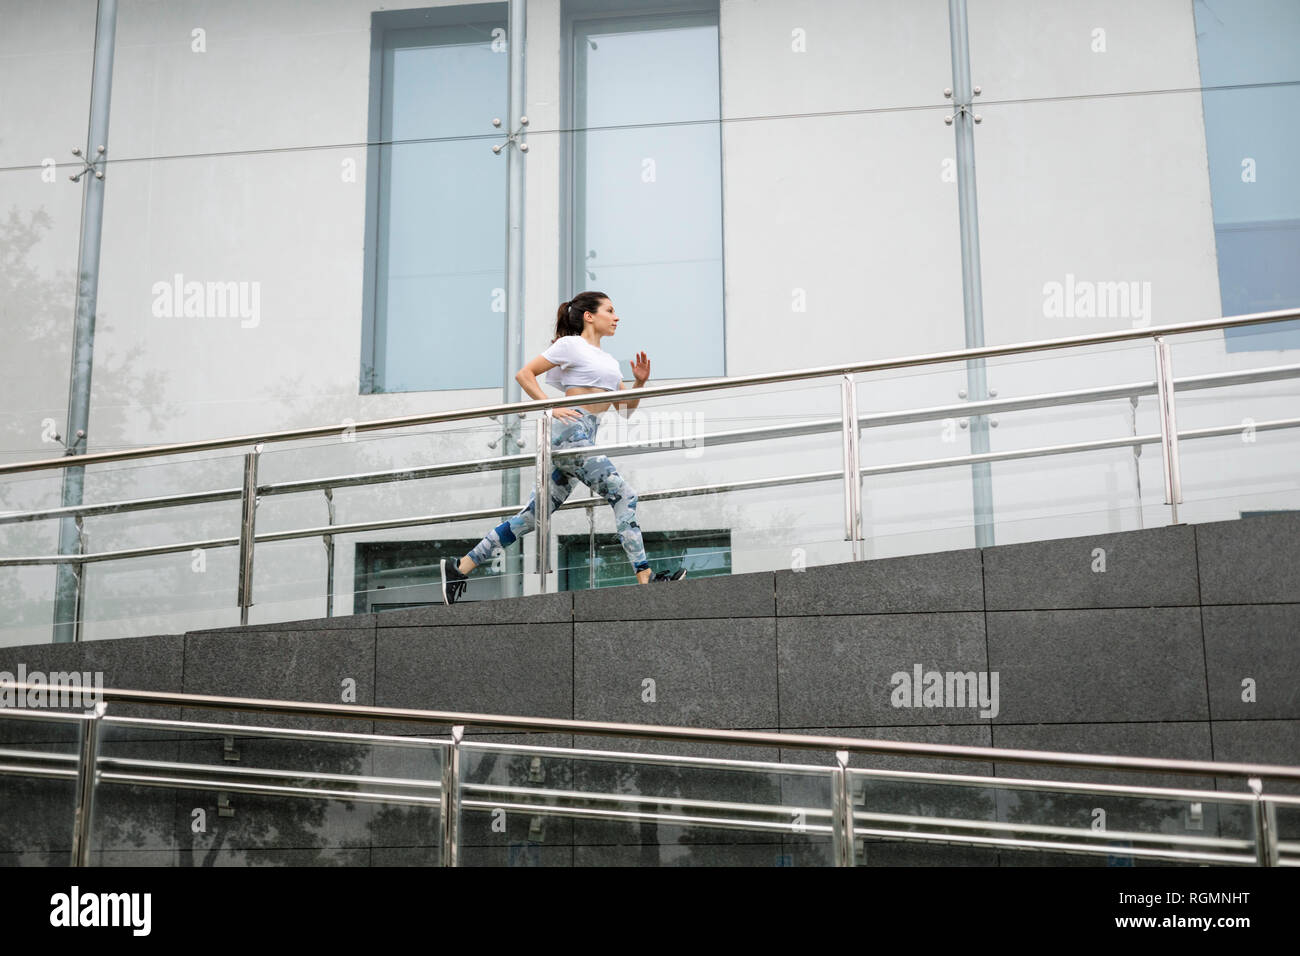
(710, 502)
(133, 595)
(204, 796)
(377, 479)
(913, 511)
(1039, 823)
(534, 806)
(1287, 817)
(38, 784)
(1115, 487)
(1247, 462)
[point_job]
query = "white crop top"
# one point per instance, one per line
(578, 362)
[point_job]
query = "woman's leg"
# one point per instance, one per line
(518, 525)
(599, 474)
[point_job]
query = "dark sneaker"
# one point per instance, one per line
(669, 575)
(453, 582)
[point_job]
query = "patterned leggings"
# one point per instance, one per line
(596, 472)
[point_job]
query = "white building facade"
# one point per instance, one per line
(305, 224)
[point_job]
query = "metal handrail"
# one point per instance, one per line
(695, 734)
(751, 484)
(455, 794)
(850, 474)
(713, 439)
(741, 381)
(850, 424)
(737, 823)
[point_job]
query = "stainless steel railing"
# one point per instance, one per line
(851, 817)
(850, 423)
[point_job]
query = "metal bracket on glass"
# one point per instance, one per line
(965, 422)
(962, 108)
(511, 438)
(228, 751)
(248, 503)
(88, 167)
(515, 136)
(224, 809)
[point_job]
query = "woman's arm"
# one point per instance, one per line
(527, 379)
(641, 374)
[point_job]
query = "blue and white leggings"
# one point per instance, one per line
(597, 473)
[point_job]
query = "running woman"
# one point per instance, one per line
(576, 363)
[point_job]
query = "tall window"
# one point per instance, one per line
(436, 236)
(644, 195)
(1250, 69)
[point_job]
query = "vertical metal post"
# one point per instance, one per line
(591, 547)
(852, 464)
(971, 281)
(87, 764)
(80, 571)
(329, 556)
(1137, 457)
(247, 525)
(1168, 428)
(512, 579)
(542, 499)
(67, 576)
(842, 842)
(449, 818)
(1266, 852)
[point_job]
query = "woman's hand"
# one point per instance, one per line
(641, 368)
(565, 414)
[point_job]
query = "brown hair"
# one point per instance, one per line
(568, 319)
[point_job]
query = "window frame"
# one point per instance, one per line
(382, 24)
(572, 265)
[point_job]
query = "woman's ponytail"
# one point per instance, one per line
(568, 318)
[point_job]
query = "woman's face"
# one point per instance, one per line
(604, 318)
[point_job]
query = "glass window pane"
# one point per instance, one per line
(1249, 70)
(440, 322)
(648, 185)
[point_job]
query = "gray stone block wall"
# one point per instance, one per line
(1179, 641)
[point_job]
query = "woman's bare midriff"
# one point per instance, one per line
(595, 409)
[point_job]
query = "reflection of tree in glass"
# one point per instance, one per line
(147, 401)
(36, 313)
(36, 820)
(926, 800)
(270, 830)
(622, 842)
(1121, 814)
